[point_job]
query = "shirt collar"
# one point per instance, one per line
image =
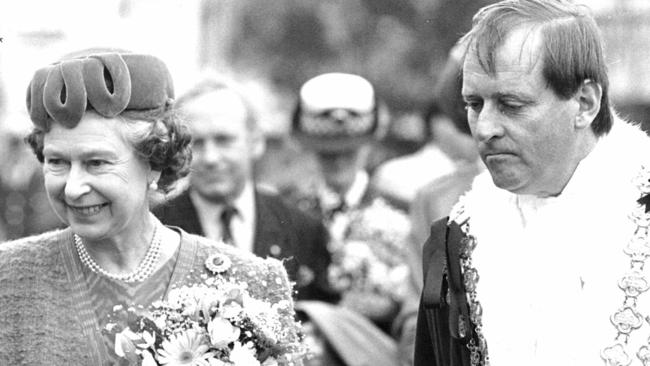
(209, 213)
(352, 197)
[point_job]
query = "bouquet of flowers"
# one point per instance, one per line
(368, 258)
(213, 323)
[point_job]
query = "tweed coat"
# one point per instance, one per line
(46, 316)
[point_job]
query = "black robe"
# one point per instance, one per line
(438, 339)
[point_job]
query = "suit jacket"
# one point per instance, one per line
(301, 240)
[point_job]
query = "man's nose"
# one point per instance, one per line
(78, 182)
(211, 153)
(487, 125)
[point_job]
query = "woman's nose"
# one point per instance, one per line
(77, 183)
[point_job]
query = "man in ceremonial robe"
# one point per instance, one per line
(542, 261)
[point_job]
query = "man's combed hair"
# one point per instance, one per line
(572, 46)
(215, 84)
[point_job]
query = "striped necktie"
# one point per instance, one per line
(225, 220)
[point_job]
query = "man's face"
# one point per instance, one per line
(223, 148)
(526, 135)
(340, 168)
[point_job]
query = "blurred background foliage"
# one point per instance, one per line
(400, 46)
(397, 45)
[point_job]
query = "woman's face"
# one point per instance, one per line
(94, 179)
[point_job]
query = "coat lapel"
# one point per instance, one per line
(180, 212)
(271, 238)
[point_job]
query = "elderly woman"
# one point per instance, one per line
(108, 140)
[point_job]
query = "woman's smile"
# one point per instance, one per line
(90, 210)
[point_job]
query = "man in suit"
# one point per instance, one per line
(222, 201)
(335, 120)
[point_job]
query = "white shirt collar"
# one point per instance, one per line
(356, 192)
(352, 197)
(242, 224)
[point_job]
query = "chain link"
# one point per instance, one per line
(478, 352)
(628, 317)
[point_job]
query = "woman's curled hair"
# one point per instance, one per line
(167, 148)
(164, 142)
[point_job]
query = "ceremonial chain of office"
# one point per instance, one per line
(477, 347)
(629, 317)
(634, 283)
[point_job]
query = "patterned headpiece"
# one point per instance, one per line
(109, 82)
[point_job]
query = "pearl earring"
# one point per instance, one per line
(153, 185)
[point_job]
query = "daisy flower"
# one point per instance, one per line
(185, 349)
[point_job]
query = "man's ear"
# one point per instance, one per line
(258, 144)
(588, 97)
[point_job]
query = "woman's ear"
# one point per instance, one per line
(588, 97)
(154, 176)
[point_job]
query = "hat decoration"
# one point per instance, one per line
(336, 110)
(337, 122)
(108, 82)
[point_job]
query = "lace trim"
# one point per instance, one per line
(625, 320)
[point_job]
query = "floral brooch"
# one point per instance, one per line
(218, 263)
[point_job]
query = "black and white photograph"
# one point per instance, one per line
(325, 182)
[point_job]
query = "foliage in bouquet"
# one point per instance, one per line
(213, 323)
(368, 257)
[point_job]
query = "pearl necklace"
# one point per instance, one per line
(144, 270)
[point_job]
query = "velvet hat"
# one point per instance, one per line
(106, 81)
(335, 111)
